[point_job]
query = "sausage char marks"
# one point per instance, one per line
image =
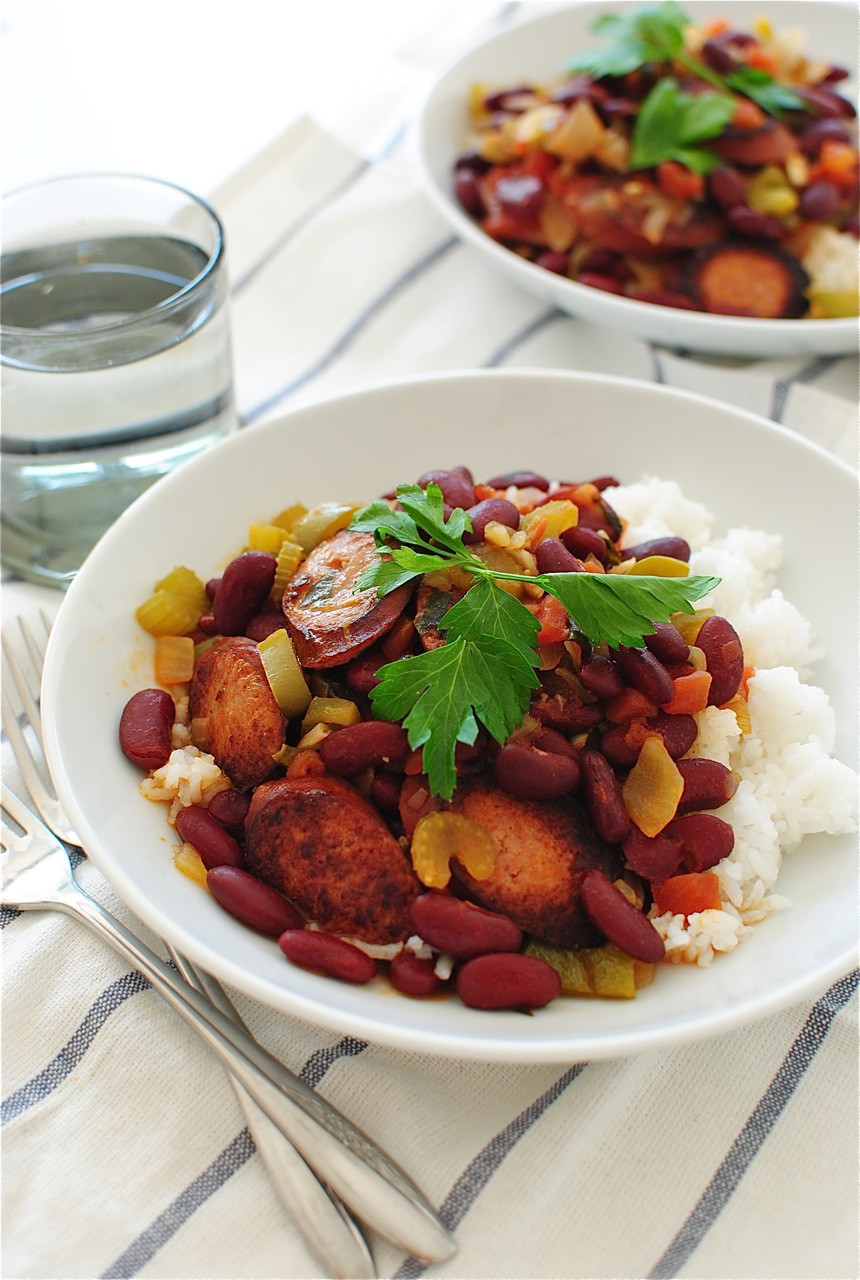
(545, 849)
(319, 842)
(330, 620)
(234, 714)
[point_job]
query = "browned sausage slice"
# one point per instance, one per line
(320, 843)
(546, 847)
(772, 143)
(749, 279)
(234, 715)
(329, 619)
(631, 215)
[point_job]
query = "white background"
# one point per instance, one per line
(188, 90)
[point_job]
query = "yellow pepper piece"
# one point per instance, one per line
(285, 673)
(439, 837)
(836, 304)
(659, 567)
(174, 659)
(266, 537)
(689, 624)
(653, 787)
(605, 972)
(331, 711)
(558, 515)
(321, 522)
(287, 518)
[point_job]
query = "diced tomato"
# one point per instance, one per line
(679, 182)
(755, 56)
(838, 163)
(538, 163)
(483, 491)
(501, 226)
(553, 619)
(687, 894)
(691, 694)
(629, 705)
(748, 115)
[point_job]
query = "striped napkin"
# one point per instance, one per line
(124, 1152)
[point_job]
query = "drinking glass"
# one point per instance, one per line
(115, 356)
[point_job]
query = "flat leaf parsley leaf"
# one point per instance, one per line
(671, 123)
(484, 673)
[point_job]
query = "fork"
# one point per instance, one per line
(328, 1229)
(39, 875)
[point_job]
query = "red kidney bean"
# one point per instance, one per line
(620, 753)
(146, 726)
(361, 672)
(520, 480)
(552, 260)
(551, 740)
(827, 103)
(604, 261)
(652, 857)
(498, 509)
(363, 746)
(601, 791)
(704, 839)
(553, 556)
(667, 643)
(617, 918)
(585, 542)
(724, 658)
(456, 489)
(599, 516)
(719, 56)
(255, 904)
(566, 716)
(521, 196)
(678, 732)
(264, 624)
(666, 298)
(217, 848)
(461, 928)
(207, 625)
(245, 586)
(815, 135)
(385, 791)
(604, 482)
(759, 226)
(645, 672)
(212, 587)
(594, 280)
(472, 159)
(468, 192)
(506, 99)
(532, 774)
(727, 186)
(326, 954)
(601, 677)
(413, 975)
(230, 808)
(819, 201)
(507, 981)
(707, 784)
(677, 548)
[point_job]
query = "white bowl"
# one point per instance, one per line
(746, 470)
(535, 51)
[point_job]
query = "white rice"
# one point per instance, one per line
(190, 776)
(831, 261)
(789, 784)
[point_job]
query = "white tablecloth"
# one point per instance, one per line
(124, 1153)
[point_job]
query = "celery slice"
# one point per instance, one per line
(332, 711)
(284, 673)
(321, 522)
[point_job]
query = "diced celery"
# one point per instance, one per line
(332, 711)
(439, 837)
(290, 556)
(167, 614)
(286, 755)
(311, 740)
(284, 673)
(321, 522)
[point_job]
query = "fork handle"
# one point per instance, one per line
(325, 1223)
(356, 1169)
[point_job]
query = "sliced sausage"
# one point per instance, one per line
(749, 278)
(545, 848)
(329, 619)
(772, 143)
(616, 212)
(234, 715)
(322, 845)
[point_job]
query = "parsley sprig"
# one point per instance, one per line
(672, 124)
(486, 670)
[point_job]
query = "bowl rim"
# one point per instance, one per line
(608, 306)
(455, 1044)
